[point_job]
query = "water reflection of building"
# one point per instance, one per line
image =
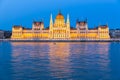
(32, 49)
(99, 58)
(103, 48)
(59, 60)
(103, 55)
(29, 60)
(89, 58)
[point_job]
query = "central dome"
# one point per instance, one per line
(59, 16)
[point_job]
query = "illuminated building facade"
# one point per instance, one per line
(60, 29)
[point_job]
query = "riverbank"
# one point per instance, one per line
(57, 40)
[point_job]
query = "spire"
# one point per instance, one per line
(51, 22)
(68, 26)
(51, 27)
(86, 21)
(68, 20)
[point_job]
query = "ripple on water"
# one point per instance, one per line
(74, 61)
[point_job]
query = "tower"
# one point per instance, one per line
(86, 26)
(68, 26)
(38, 25)
(68, 22)
(59, 29)
(51, 27)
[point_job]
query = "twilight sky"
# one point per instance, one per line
(24, 12)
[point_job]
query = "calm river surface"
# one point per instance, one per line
(60, 61)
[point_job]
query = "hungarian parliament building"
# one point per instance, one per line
(60, 29)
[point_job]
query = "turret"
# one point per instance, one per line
(68, 26)
(86, 26)
(51, 27)
(51, 22)
(81, 25)
(38, 25)
(68, 22)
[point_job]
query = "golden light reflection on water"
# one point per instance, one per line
(61, 57)
(59, 50)
(103, 48)
(59, 60)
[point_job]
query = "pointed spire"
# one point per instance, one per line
(68, 20)
(51, 20)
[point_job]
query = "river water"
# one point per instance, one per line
(59, 61)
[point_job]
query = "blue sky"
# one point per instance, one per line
(24, 12)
